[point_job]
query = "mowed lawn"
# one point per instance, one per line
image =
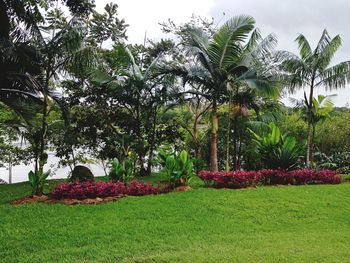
(267, 224)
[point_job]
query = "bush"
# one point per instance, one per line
(82, 174)
(179, 169)
(232, 179)
(241, 179)
(90, 189)
(339, 161)
(37, 181)
(121, 171)
(277, 151)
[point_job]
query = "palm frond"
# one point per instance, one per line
(228, 42)
(335, 77)
(328, 52)
(322, 43)
(305, 50)
(253, 41)
(263, 85)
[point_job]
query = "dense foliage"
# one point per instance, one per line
(90, 189)
(71, 83)
(241, 179)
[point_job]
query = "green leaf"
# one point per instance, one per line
(170, 162)
(184, 157)
(32, 178)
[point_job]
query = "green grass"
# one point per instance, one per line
(268, 224)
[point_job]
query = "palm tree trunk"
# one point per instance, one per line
(235, 141)
(152, 143)
(311, 95)
(197, 147)
(214, 139)
(228, 142)
(42, 157)
(239, 155)
(312, 144)
(308, 149)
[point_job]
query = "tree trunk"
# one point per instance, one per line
(312, 143)
(42, 156)
(152, 143)
(309, 106)
(235, 140)
(10, 171)
(239, 155)
(197, 150)
(214, 139)
(140, 152)
(308, 149)
(227, 166)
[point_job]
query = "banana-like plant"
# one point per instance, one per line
(179, 169)
(37, 181)
(278, 151)
(121, 171)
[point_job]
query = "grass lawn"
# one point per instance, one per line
(268, 224)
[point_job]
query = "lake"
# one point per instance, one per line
(20, 172)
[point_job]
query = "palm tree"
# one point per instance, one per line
(259, 82)
(219, 61)
(19, 59)
(64, 50)
(312, 69)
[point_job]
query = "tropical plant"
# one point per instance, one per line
(79, 190)
(277, 151)
(179, 169)
(339, 161)
(37, 181)
(240, 179)
(221, 59)
(143, 99)
(322, 106)
(121, 171)
(312, 70)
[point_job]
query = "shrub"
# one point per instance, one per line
(232, 179)
(339, 161)
(37, 181)
(277, 151)
(179, 169)
(90, 189)
(121, 171)
(81, 173)
(241, 179)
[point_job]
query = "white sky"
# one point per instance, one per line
(145, 16)
(285, 18)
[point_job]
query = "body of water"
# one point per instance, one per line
(20, 172)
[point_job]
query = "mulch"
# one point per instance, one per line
(31, 199)
(46, 199)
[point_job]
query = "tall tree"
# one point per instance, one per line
(313, 69)
(142, 97)
(214, 62)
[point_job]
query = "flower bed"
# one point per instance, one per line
(241, 179)
(90, 189)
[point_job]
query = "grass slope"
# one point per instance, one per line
(268, 224)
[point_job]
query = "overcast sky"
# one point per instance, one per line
(284, 18)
